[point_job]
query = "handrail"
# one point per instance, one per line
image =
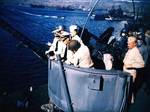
(64, 83)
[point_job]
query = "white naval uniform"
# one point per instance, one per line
(81, 58)
(134, 59)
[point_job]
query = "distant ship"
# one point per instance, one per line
(66, 8)
(37, 6)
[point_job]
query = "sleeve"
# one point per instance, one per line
(138, 62)
(70, 56)
(76, 58)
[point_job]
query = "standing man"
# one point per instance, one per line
(59, 44)
(62, 45)
(133, 60)
(74, 33)
(57, 34)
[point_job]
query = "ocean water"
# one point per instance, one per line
(38, 23)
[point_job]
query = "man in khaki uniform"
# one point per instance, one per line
(133, 60)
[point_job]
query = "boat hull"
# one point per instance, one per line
(90, 90)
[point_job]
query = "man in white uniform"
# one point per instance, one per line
(74, 34)
(133, 60)
(57, 34)
(59, 45)
(62, 45)
(80, 55)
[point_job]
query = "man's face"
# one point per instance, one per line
(73, 33)
(131, 42)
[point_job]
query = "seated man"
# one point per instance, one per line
(80, 55)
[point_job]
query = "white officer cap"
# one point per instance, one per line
(73, 27)
(59, 28)
(65, 33)
(64, 36)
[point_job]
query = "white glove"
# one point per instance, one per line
(46, 52)
(67, 62)
(49, 43)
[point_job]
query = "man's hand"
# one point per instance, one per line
(49, 43)
(46, 52)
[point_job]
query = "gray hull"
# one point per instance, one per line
(90, 90)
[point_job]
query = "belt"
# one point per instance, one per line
(131, 68)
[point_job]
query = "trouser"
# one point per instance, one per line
(138, 78)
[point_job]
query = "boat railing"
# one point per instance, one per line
(87, 89)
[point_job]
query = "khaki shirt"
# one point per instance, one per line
(133, 59)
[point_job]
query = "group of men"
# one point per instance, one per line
(70, 47)
(73, 51)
